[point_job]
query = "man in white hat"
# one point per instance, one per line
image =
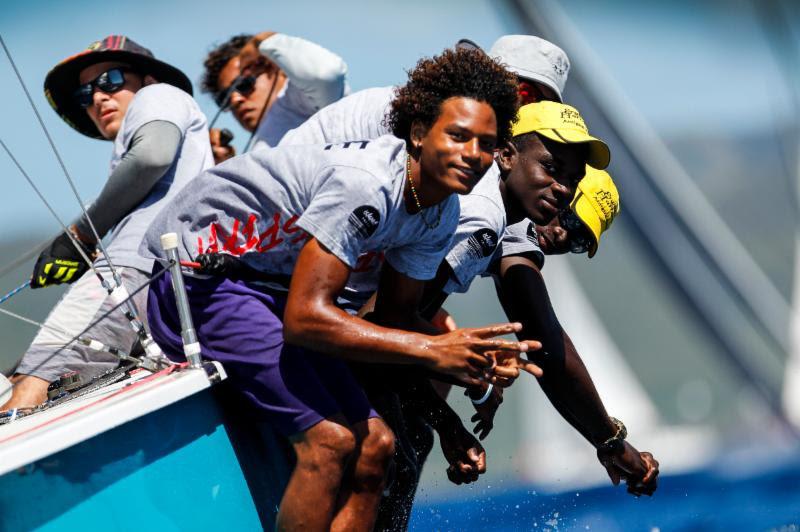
(541, 66)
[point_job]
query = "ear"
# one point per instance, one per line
(149, 80)
(507, 157)
(417, 133)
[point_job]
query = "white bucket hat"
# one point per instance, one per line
(533, 58)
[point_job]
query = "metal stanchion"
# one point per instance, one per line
(191, 347)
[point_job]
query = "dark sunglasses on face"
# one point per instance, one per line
(244, 85)
(579, 239)
(110, 81)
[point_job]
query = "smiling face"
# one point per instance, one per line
(542, 175)
(457, 150)
(248, 108)
(109, 108)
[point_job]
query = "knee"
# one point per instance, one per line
(377, 448)
(326, 445)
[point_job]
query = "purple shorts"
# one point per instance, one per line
(240, 325)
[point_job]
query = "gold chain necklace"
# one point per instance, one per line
(416, 199)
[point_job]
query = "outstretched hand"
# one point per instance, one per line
(638, 470)
(485, 412)
(467, 355)
(464, 453)
(507, 365)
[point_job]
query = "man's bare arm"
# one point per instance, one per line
(565, 381)
(312, 320)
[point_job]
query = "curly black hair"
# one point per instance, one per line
(454, 73)
(218, 58)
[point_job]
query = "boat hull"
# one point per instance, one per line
(173, 469)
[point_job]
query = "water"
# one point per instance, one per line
(723, 498)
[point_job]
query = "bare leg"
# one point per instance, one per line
(28, 391)
(323, 452)
(363, 484)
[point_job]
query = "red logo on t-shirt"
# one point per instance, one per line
(250, 240)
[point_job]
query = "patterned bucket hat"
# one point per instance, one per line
(62, 81)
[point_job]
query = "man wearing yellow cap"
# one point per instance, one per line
(540, 174)
(591, 212)
(524, 296)
(540, 181)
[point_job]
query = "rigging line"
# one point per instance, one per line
(131, 312)
(222, 108)
(15, 291)
(263, 110)
(88, 342)
(78, 246)
(26, 257)
(140, 362)
(100, 245)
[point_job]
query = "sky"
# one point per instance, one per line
(687, 67)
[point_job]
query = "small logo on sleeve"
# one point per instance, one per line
(482, 243)
(533, 236)
(361, 144)
(365, 220)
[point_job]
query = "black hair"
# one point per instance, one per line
(454, 73)
(218, 58)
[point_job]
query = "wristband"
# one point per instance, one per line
(485, 397)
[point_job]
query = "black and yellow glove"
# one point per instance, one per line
(60, 263)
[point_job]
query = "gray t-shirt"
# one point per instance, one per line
(482, 219)
(520, 238)
(361, 116)
(354, 117)
(262, 207)
(159, 102)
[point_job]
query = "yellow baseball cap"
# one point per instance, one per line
(596, 203)
(561, 123)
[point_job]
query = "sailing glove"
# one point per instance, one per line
(61, 262)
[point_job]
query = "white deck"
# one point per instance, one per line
(33, 437)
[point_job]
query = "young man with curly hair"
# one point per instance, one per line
(281, 230)
(535, 180)
(217, 59)
(272, 82)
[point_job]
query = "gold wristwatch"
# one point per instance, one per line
(614, 444)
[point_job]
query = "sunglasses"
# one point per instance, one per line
(244, 85)
(110, 81)
(579, 239)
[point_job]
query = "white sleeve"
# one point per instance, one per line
(317, 72)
